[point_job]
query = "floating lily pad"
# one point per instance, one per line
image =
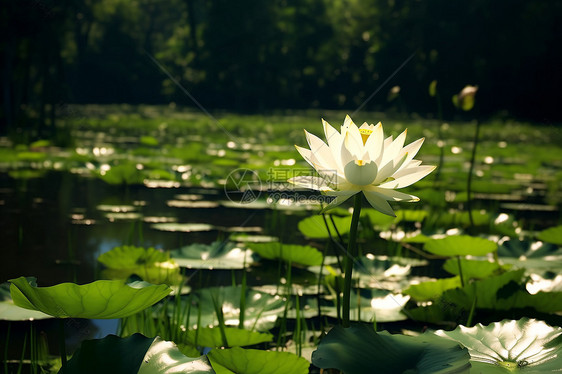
(460, 245)
(183, 227)
(359, 349)
(431, 290)
(11, 312)
(378, 219)
(260, 313)
(370, 305)
(409, 215)
(552, 235)
(253, 361)
(100, 300)
(533, 256)
(235, 337)
(526, 346)
(245, 238)
(151, 265)
(300, 254)
(474, 269)
(315, 228)
(192, 204)
(217, 255)
(462, 219)
(134, 354)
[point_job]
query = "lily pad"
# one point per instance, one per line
(474, 269)
(253, 361)
(526, 346)
(552, 235)
(134, 354)
(260, 312)
(315, 228)
(217, 255)
(152, 265)
(533, 256)
(300, 254)
(183, 227)
(431, 290)
(11, 312)
(460, 245)
(235, 337)
(102, 299)
(359, 349)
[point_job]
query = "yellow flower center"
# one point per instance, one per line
(365, 133)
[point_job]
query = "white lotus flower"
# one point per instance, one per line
(360, 159)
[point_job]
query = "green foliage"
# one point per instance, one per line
(101, 299)
(551, 235)
(315, 227)
(235, 337)
(217, 255)
(431, 290)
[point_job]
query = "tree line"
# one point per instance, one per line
(251, 55)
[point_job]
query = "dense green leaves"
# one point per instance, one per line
(235, 337)
(101, 299)
(552, 235)
(317, 227)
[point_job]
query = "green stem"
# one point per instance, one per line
(62, 344)
(469, 180)
(351, 254)
(460, 270)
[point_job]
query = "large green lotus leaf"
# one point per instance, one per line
(235, 337)
(378, 219)
(526, 346)
(300, 254)
(474, 269)
(11, 312)
(359, 349)
(376, 272)
(111, 354)
(127, 257)
(552, 235)
(490, 293)
(260, 313)
(152, 265)
(410, 215)
(217, 255)
(164, 357)
(431, 290)
(100, 300)
(134, 354)
(252, 361)
(460, 245)
(462, 219)
(534, 256)
(315, 228)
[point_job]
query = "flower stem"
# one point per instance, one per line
(470, 171)
(62, 344)
(350, 258)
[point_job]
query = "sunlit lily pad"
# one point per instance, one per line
(460, 245)
(431, 290)
(315, 228)
(134, 354)
(552, 235)
(245, 238)
(235, 337)
(253, 361)
(526, 346)
(300, 254)
(359, 349)
(378, 219)
(260, 313)
(11, 312)
(533, 256)
(100, 300)
(217, 255)
(474, 269)
(151, 265)
(183, 227)
(371, 305)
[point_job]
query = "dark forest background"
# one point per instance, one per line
(255, 56)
